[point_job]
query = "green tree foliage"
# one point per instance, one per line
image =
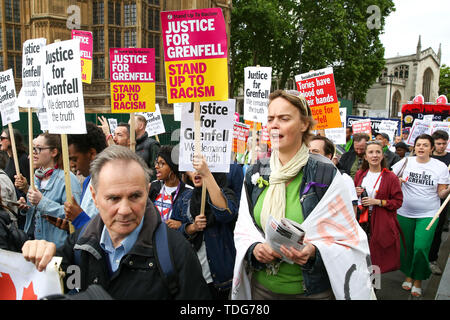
(444, 81)
(338, 33)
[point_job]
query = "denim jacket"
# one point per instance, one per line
(219, 242)
(52, 203)
(315, 276)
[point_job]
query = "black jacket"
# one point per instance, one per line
(138, 276)
(148, 148)
(156, 186)
(345, 163)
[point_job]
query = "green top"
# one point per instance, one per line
(289, 279)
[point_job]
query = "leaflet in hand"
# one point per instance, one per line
(286, 232)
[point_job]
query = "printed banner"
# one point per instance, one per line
(132, 80)
(63, 88)
(343, 245)
(374, 122)
(257, 82)
(388, 127)
(412, 111)
(155, 124)
(178, 109)
(31, 94)
(8, 100)
(426, 127)
(195, 55)
(216, 135)
(86, 50)
(20, 280)
(319, 89)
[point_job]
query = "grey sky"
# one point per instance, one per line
(412, 18)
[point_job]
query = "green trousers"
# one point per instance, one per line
(414, 263)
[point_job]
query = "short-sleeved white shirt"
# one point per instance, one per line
(420, 197)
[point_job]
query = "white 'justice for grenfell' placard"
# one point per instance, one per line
(63, 88)
(217, 120)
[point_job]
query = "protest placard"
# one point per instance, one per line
(112, 125)
(155, 124)
(337, 135)
(63, 88)
(216, 135)
(177, 109)
(33, 57)
(419, 127)
(20, 280)
(441, 125)
(195, 55)
(388, 127)
(362, 126)
(132, 79)
(240, 135)
(43, 119)
(319, 90)
(8, 99)
(86, 50)
(257, 82)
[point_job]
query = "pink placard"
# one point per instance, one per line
(132, 64)
(86, 43)
(193, 34)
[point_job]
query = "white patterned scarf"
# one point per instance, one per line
(275, 200)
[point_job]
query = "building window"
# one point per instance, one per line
(396, 103)
(9, 37)
(114, 40)
(98, 12)
(8, 11)
(15, 63)
(153, 19)
(130, 14)
(114, 13)
(17, 39)
(130, 38)
(426, 84)
(157, 66)
(99, 67)
(402, 71)
(156, 43)
(99, 40)
(16, 8)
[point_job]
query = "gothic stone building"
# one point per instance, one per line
(402, 79)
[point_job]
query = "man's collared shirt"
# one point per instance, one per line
(116, 254)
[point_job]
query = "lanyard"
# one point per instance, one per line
(375, 191)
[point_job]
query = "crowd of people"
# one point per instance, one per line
(145, 230)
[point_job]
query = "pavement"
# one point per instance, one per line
(390, 287)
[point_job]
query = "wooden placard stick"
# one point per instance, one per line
(132, 132)
(436, 216)
(157, 138)
(30, 147)
(253, 151)
(66, 165)
(13, 147)
(198, 149)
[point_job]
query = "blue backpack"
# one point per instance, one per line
(162, 253)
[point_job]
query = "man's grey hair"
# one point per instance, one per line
(112, 153)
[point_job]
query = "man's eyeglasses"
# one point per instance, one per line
(159, 164)
(38, 150)
(3, 138)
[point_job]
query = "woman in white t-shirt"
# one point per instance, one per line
(424, 180)
(168, 187)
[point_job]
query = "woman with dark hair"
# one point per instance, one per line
(24, 164)
(22, 156)
(384, 196)
(168, 188)
(210, 234)
(424, 180)
(46, 201)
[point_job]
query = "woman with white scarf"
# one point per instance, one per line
(282, 190)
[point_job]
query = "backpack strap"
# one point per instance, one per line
(324, 175)
(164, 258)
(77, 252)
